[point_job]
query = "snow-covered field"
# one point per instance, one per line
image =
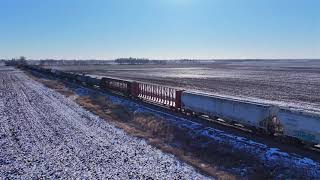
(45, 135)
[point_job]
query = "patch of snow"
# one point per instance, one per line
(44, 135)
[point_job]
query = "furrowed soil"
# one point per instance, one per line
(45, 135)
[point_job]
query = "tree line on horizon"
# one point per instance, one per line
(121, 61)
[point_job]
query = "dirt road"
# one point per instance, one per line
(45, 135)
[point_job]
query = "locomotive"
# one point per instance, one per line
(268, 118)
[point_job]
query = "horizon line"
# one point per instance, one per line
(173, 59)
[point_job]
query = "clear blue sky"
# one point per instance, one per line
(160, 29)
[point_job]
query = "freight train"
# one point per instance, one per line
(267, 118)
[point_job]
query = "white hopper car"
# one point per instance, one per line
(269, 118)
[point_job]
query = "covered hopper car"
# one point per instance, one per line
(301, 125)
(251, 114)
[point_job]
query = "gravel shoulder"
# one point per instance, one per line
(45, 135)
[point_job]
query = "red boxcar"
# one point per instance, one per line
(116, 85)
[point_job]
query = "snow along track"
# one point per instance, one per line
(44, 134)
